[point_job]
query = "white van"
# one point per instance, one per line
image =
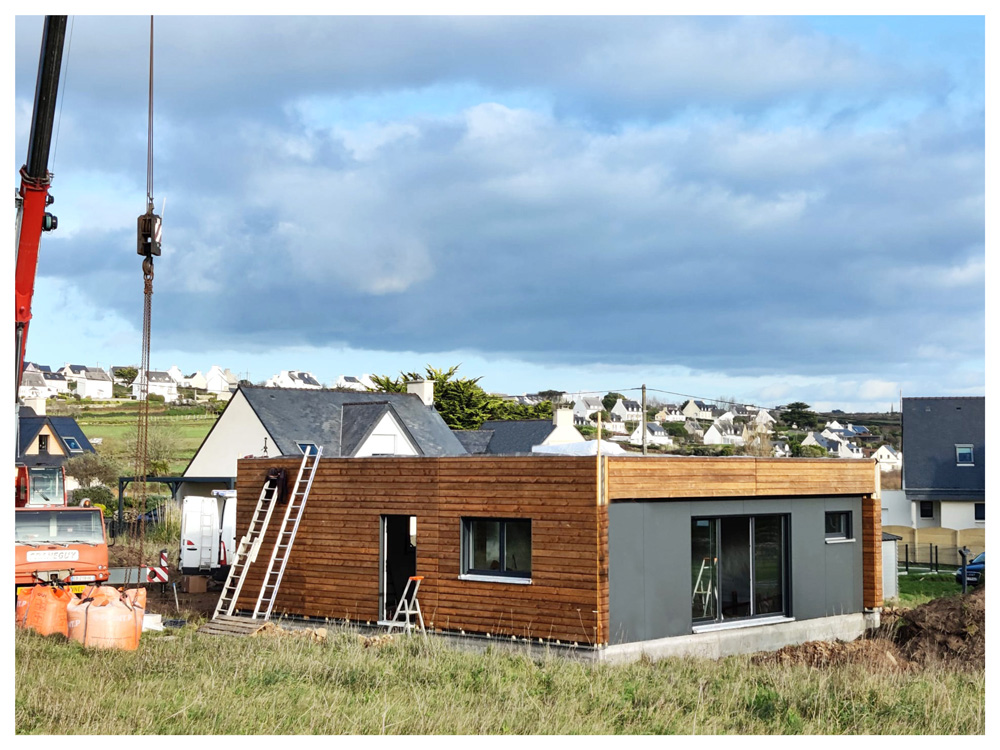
(208, 533)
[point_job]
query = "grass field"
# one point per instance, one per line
(183, 683)
(917, 588)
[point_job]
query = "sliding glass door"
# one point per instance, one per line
(738, 567)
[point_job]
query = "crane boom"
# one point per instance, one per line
(33, 197)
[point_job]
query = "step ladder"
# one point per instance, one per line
(704, 586)
(286, 535)
(407, 607)
(247, 549)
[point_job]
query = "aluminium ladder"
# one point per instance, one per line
(705, 585)
(407, 607)
(286, 535)
(247, 549)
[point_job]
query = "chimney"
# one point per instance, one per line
(38, 404)
(562, 416)
(422, 388)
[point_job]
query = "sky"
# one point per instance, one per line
(769, 208)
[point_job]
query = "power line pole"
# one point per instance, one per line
(644, 419)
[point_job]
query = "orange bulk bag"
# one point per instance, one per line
(24, 597)
(106, 618)
(44, 609)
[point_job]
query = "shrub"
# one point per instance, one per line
(98, 495)
(155, 398)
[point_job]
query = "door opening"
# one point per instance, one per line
(398, 560)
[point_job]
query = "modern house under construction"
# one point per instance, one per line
(619, 555)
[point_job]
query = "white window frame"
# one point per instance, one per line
(959, 449)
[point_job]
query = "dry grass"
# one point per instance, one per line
(182, 683)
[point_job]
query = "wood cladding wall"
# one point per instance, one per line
(648, 478)
(333, 569)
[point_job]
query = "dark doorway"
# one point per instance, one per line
(399, 560)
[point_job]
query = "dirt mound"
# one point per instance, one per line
(872, 652)
(948, 631)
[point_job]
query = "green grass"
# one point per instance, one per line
(919, 588)
(183, 683)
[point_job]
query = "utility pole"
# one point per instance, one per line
(644, 419)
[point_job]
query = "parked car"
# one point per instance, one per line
(976, 570)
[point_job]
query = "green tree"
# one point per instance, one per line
(462, 402)
(611, 399)
(127, 374)
(811, 451)
(798, 413)
(88, 468)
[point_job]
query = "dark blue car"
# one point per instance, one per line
(976, 570)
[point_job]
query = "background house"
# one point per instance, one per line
(354, 383)
(628, 411)
(159, 383)
(293, 379)
(261, 421)
(889, 459)
(49, 441)
(519, 436)
(655, 435)
(220, 383)
(944, 474)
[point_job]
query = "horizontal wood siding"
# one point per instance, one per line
(648, 478)
(333, 570)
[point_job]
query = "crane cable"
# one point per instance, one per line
(140, 488)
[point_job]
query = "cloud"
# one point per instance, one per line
(737, 196)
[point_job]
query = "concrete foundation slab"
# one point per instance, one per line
(716, 644)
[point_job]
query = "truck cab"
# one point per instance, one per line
(59, 544)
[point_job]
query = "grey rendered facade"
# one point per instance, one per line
(650, 556)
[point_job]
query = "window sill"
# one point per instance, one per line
(735, 624)
(494, 579)
(839, 541)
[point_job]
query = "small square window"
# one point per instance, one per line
(963, 455)
(497, 547)
(309, 448)
(980, 511)
(43, 443)
(926, 509)
(838, 524)
(73, 444)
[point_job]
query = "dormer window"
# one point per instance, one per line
(964, 456)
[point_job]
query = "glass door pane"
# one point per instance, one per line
(734, 567)
(704, 555)
(768, 558)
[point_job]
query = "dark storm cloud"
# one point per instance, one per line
(719, 242)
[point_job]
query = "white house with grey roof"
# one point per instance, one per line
(889, 459)
(520, 436)
(629, 411)
(585, 406)
(87, 382)
(221, 383)
(271, 422)
(655, 435)
(159, 383)
(293, 379)
(354, 383)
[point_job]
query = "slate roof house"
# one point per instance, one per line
(512, 437)
(617, 556)
(944, 473)
(160, 383)
(293, 379)
(49, 441)
(262, 421)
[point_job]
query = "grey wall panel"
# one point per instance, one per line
(667, 555)
(649, 550)
(626, 573)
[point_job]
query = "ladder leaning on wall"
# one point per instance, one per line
(286, 535)
(249, 546)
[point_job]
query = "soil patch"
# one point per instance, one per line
(950, 632)
(877, 653)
